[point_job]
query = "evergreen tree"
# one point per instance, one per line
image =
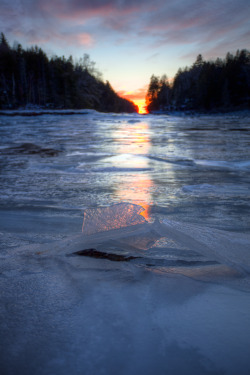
(223, 84)
(29, 77)
(152, 94)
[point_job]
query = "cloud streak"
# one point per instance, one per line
(196, 21)
(138, 94)
(158, 24)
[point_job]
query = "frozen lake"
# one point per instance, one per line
(193, 169)
(179, 302)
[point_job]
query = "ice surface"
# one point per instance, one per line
(103, 159)
(218, 190)
(224, 164)
(181, 304)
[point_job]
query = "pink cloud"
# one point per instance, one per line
(32, 37)
(149, 25)
(82, 11)
(84, 39)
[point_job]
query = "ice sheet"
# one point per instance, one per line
(180, 304)
(180, 307)
(64, 314)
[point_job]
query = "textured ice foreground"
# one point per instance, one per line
(181, 307)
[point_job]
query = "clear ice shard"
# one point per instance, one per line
(120, 215)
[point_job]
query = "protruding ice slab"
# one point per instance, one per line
(113, 217)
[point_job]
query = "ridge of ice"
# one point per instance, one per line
(227, 247)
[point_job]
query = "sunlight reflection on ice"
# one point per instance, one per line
(135, 143)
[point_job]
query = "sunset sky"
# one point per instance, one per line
(130, 39)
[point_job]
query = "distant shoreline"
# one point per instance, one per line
(202, 113)
(69, 112)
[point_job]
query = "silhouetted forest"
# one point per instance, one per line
(221, 84)
(28, 77)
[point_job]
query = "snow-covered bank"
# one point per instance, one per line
(40, 112)
(181, 113)
(62, 112)
(179, 306)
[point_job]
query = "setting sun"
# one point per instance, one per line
(142, 106)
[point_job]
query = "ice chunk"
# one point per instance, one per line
(113, 217)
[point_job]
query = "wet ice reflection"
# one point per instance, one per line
(134, 145)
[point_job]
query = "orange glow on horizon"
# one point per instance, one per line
(137, 97)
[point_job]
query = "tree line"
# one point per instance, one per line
(28, 77)
(221, 84)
